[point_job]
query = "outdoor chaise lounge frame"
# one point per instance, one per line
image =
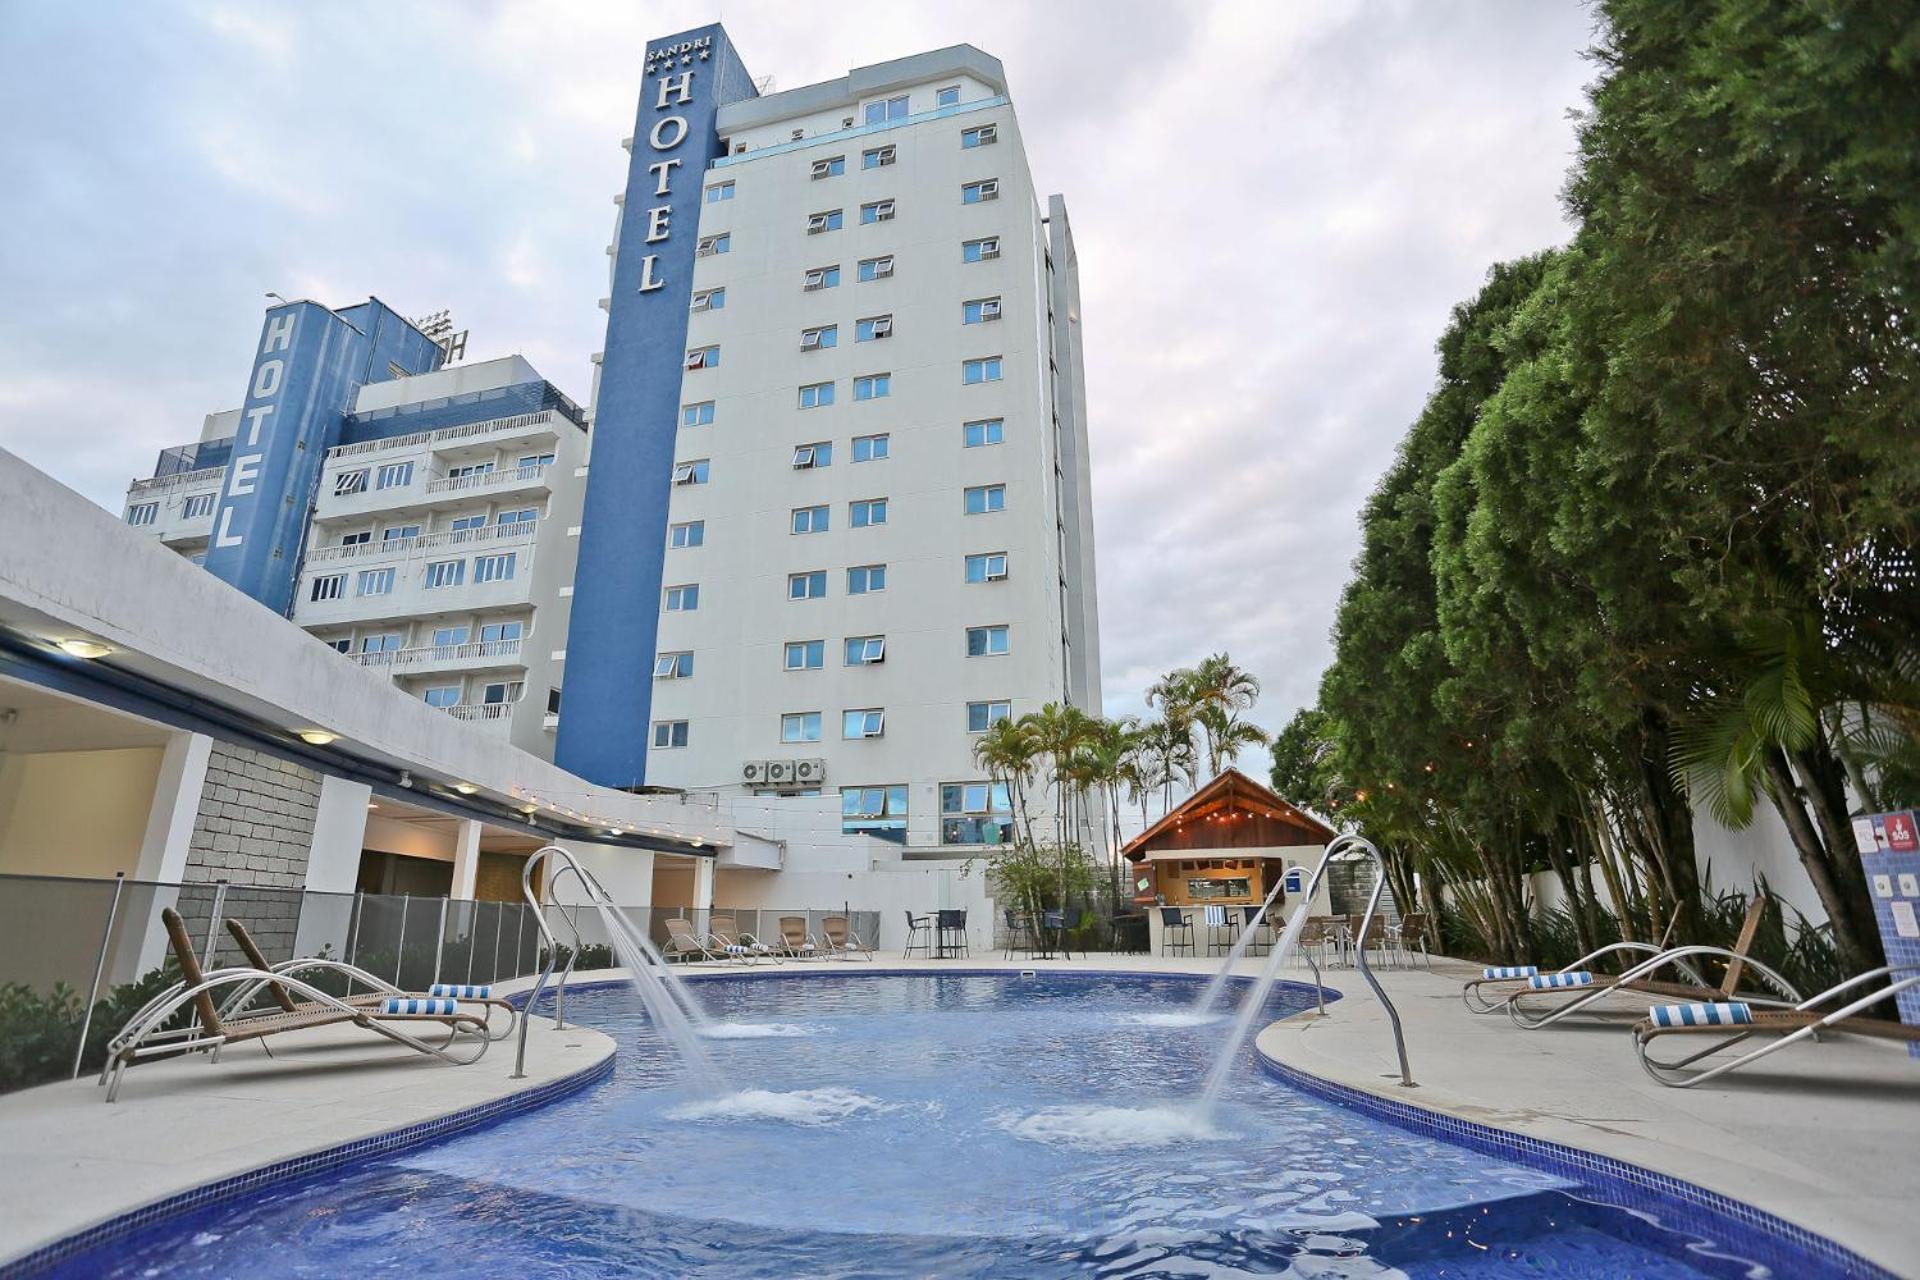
(796, 941)
(724, 928)
(848, 943)
(684, 942)
(146, 1035)
(1802, 1022)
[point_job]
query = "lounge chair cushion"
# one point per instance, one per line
(460, 991)
(735, 949)
(419, 1005)
(1496, 972)
(1551, 981)
(1718, 1014)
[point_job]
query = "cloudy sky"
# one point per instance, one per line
(1275, 205)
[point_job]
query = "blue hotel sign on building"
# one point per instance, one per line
(607, 694)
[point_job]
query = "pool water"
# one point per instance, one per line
(952, 1125)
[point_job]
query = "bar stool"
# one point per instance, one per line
(920, 927)
(950, 927)
(1255, 947)
(1173, 920)
(1217, 921)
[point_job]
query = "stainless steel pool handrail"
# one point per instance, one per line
(596, 894)
(1380, 880)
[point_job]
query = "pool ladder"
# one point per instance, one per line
(1359, 949)
(596, 894)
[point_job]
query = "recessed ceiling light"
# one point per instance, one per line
(317, 737)
(81, 647)
(465, 788)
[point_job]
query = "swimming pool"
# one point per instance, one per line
(979, 1125)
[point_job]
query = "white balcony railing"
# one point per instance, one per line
(485, 711)
(444, 436)
(422, 654)
(179, 480)
(488, 535)
(483, 480)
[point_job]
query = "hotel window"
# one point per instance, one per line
(800, 726)
(877, 211)
(669, 733)
(873, 386)
(876, 269)
(831, 167)
(980, 192)
(977, 435)
(699, 414)
(947, 97)
(872, 328)
(984, 498)
(986, 642)
(988, 566)
(982, 716)
(711, 245)
(825, 220)
(442, 696)
(531, 460)
(979, 136)
(526, 515)
(395, 532)
(980, 250)
(471, 469)
(816, 394)
(809, 519)
(985, 369)
(501, 691)
(450, 637)
(197, 505)
(703, 358)
(493, 568)
(694, 472)
(821, 338)
(497, 632)
(867, 722)
(870, 448)
(876, 157)
(388, 642)
(877, 811)
(693, 533)
(719, 191)
(975, 813)
(142, 513)
(374, 582)
(708, 300)
(684, 598)
(673, 666)
(807, 586)
(980, 311)
(805, 655)
(342, 645)
(469, 522)
(364, 536)
(394, 475)
(446, 573)
(864, 651)
(811, 457)
(863, 512)
(890, 109)
(822, 278)
(349, 482)
(865, 578)
(329, 586)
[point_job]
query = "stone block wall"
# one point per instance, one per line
(255, 823)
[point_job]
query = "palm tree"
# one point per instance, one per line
(1007, 751)
(1057, 731)
(1218, 682)
(1226, 735)
(1103, 762)
(1167, 748)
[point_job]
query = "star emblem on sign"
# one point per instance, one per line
(686, 59)
(703, 54)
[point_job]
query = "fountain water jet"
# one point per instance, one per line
(1218, 983)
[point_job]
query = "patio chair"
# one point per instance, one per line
(1176, 931)
(1580, 989)
(725, 930)
(1019, 933)
(1316, 935)
(236, 1005)
(1732, 1022)
(842, 941)
(1375, 939)
(147, 1034)
(1252, 921)
(688, 946)
(920, 927)
(796, 942)
(1412, 933)
(950, 931)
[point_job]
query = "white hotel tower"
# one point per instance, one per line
(877, 528)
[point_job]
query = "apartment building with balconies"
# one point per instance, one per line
(438, 535)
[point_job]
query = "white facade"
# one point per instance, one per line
(439, 557)
(884, 567)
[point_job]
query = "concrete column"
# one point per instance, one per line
(176, 803)
(703, 884)
(339, 834)
(466, 858)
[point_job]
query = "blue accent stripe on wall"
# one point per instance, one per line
(607, 695)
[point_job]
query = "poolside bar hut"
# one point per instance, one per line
(1227, 845)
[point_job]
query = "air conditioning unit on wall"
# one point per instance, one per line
(753, 771)
(811, 772)
(779, 772)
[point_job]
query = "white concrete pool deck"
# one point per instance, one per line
(1823, 1135)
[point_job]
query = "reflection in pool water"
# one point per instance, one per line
(949, 1125)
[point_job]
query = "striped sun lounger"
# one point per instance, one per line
(1555, 981)
(1507, 972)
(1718, 1013)
(416, 1006)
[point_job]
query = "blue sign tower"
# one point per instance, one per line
(310, 363)
(608, 691)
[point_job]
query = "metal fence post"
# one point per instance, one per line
(213, 923)
(519, 932)
(439, 941)
(473, 928)
(99, 967)
(353, 933)
(499, 927)
(400, 943)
